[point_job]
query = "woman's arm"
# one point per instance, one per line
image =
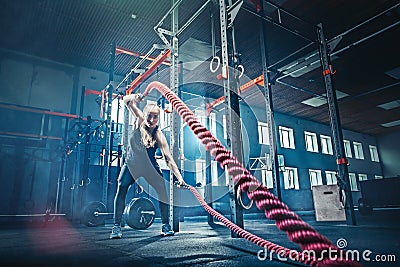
(163, 144)
(131, 102)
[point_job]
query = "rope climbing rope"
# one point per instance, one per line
(286, 220)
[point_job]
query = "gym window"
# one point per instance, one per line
(214, 173)
(117, 111)
(326, 145)
(315, 177)
(347, 148)
(267, 179)
(358, 151)
(213, 123)
(224, 121)
(224, 125)
(290, 178)
(362, 177)
(200, 116)
(263, 133)
(331, 177)
(201, 171)
(353, 182)
(311, 141)
(286, 136)
(378, 177)
(373, 150)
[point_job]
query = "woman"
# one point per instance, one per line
(140, 161)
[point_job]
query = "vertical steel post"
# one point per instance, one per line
(75, 213)
(107, 135)
(336, 126)
(175, 119)
(84, 174)
(81, 105)
(125, 131)
(208, 186)
(61, 180)
(269, 106)
(232, 111)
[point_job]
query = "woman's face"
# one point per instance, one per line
(152, 119)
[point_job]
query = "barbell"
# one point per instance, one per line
(138, 214)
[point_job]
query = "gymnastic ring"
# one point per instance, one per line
(343, 198)
(239, 199)
(141, 190)
(218, 63)
(242, 70)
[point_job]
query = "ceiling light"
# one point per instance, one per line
(390, 105)
(139, 71)
(394, 73)
(321, 100)
(391, 124)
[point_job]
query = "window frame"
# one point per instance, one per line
(263, 133)
(311, 142)
(353, 182)
(200, 173)
(373, 151)
(318, 177)
(365, 177)
(347, 148)
(327, 140)
(214, 173)
(290, 141)
(291, 172)
(213, 123)
(267, 179)
(358, 150)
(331, 175)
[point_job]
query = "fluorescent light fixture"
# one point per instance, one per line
(391, 124)
(307, 63)
(315, 101)
(394, 73)
(319, 100)
(390, 105)
(139, 71)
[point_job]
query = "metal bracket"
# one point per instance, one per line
(160, 32)
(264, 162)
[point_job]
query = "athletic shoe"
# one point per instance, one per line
(116, 232)
(166, 230)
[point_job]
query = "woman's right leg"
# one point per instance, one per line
(125, 180)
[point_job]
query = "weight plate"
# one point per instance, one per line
(140, 213)
(89, 216)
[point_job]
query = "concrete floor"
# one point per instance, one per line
(196, 244)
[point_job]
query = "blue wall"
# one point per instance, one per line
(299, 158)
(389, 148)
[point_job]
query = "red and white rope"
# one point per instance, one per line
(286, 220)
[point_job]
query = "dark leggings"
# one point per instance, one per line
(125, 180)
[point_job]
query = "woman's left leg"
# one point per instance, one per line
(157, 181)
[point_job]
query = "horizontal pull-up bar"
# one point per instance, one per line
(40, 111)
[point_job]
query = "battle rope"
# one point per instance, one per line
(272, 247)
(286, 220)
